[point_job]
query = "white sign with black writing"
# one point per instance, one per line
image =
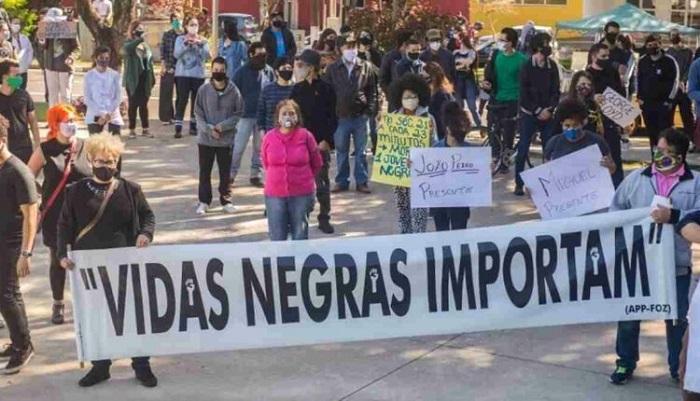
(617, 108)
(216, 297)
(451, 177)
(573, 185)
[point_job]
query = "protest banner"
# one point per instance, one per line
(451, 177)
(396, 135)
(617, 108)
(215, 297)
(570, 186)
(57, 30)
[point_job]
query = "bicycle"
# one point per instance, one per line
(502, 158)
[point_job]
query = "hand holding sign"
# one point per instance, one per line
(617, 108)
(396, 136)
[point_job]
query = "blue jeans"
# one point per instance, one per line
(528, 126)
(288, 215)
(246, 128)
(357, 127)
(467, 90)
(627, 346)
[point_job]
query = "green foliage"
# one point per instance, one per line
(415, 15)
(20, 9)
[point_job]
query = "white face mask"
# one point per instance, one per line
(68, 130)
(350, 55)
(192, 30)
(15, 28)
(288, 121)
(501, 46)
(434, 46)
(410, 104)
(303, 73)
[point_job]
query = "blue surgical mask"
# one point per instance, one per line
(571, 133)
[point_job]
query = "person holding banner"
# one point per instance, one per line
(63, 160)
(59, 55)
(18, 219)
(292, 159)
(413, 94)
(669, 180)
(104, 212)
(689, 372)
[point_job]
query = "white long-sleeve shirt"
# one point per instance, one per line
(103, 94)
(25, 52)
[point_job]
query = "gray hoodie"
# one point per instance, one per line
(217, 108)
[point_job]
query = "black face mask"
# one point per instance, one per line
(219, 76)
(365, 41)
(258, 62)
(138, 33)
(603, 63)
(413, 56)
(277, 24)
(286, 75)
(653, 51)
(611, 37)
(675, 39)
(231, 33)
(104, 173)
(330, 43)
(546, 51)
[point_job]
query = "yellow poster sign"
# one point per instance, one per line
(396, 136)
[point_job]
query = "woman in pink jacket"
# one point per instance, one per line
(291, 159)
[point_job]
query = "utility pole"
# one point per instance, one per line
(215, 26)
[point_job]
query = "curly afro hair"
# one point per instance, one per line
(571, 108)
(413, 82)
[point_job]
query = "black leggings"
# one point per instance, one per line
(186, 90)
(57, 276)
(138, 102)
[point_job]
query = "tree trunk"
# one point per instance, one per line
(111, 37)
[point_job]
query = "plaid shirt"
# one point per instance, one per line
(167, 48)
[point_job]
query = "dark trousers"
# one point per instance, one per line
(504, 113)
(685, 106)
(450, 218)
(57, 276)
(113, 129)
(657, 118)
(373, 133)
(11, 302)
(207, 155)
(323, 189)
(137, 364)
(627, 346)
(186, 89)
(166, 111)
(528, 126)
(138, 102)
(25, 77)
(612, 138)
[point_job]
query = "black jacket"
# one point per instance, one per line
(388, 68)
(657, 81)
(144, 221)
(606, 78)
(356, 92)
(436, 106)
(317, 103)
(443, 57)
(270, 43)
(539, 87)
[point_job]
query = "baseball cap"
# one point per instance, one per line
(310, 57)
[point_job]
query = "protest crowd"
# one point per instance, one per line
(304, 108)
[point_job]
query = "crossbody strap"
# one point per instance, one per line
(61, 185)
(100, 212)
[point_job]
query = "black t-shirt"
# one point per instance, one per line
(559, 146)
(16, 108)
(17, 187)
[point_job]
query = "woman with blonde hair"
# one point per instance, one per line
(63, 160)
(292, 159)
(103, 212)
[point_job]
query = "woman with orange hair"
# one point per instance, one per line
(63, 160)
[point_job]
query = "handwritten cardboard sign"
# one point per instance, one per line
(617, 108)
(451, 177)
(571, 186)
(57, 30)
(396, 135)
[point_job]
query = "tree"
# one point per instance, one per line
(492, 9)
(109, 36)
(19, 9)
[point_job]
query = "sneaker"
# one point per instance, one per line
(57, 314)
(146, 133)
(19, 359)
(6, 352)
(146, 377)
(325, 227)
(257, 182)
(339, 188)
(519, 190)
(94, 376)
(675, 378)
(363, 189)
(228, 208)
(621, 375)
(202, 209)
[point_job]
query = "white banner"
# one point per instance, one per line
(571, 186)
(617, 108)
(197, 298)
(451, 177)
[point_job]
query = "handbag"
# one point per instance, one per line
(60, 187)
(112, 187)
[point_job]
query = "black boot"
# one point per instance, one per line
(94, 376)
(146, 377)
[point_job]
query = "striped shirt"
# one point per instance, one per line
(271, 95)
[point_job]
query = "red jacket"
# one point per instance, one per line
(291, 161)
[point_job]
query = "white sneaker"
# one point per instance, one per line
(229, 208)
(202, 209)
